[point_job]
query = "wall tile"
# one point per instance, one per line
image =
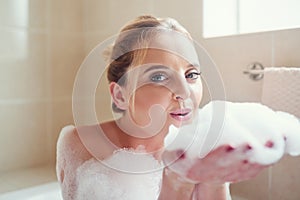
(93, 39)
(23, 135)
(38, 13)
(285, 179)
(287, 48)
(66, 55)
(118, 15)
(14, 13)
(96, 15)
(257, 188)
(23, 68)
(23, 14)
(187, 13)
(14, 45)
(232, 55)
(103, 101)
(65, 16)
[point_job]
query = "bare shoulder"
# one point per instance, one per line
(78, 144)
(69, 139)
(75, 146)
(69, 143)
(70, 153)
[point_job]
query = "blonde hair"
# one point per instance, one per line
(130, 47)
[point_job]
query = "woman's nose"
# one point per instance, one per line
(181, 89)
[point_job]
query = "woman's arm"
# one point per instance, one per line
(210, 192)
(173, 187)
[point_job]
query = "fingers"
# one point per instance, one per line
(242, 169)
(225, 164)
(245, 172)
(227, 155)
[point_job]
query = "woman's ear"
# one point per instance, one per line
(118, 95)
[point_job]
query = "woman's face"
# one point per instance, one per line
(167, 86)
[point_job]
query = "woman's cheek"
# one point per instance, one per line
(197, 94)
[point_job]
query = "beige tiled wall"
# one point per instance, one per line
(65, 54)
(39, 58)
(23, 98)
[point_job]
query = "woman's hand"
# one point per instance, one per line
(205, 178)
(224, 164)
(174, 187)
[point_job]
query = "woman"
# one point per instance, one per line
(154, 82)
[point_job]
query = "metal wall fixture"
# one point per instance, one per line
(255, 71)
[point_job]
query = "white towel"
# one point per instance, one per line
(281, 89)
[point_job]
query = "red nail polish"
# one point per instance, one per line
(269, 144)
(245, 161)
(248, 147)
(229, 149)
(180, 154)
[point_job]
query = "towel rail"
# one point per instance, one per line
(255, 71)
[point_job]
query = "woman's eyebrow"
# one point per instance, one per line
(163, 67)
(196, 65)
(156, 67)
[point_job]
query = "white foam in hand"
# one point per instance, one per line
(290, 128)
(270, 134)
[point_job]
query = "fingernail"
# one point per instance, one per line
(248, 147)
(245, 161)
(180, 154)
(269, 144)
(229, 149)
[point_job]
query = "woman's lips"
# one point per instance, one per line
(181, 114)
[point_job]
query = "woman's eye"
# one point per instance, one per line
(193, 75)
(158, 78)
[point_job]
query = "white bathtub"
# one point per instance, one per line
(49, 191)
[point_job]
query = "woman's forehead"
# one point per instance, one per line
(176, 44)
(167, 58)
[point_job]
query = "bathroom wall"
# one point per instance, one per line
(42, 49)
(66, 53)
